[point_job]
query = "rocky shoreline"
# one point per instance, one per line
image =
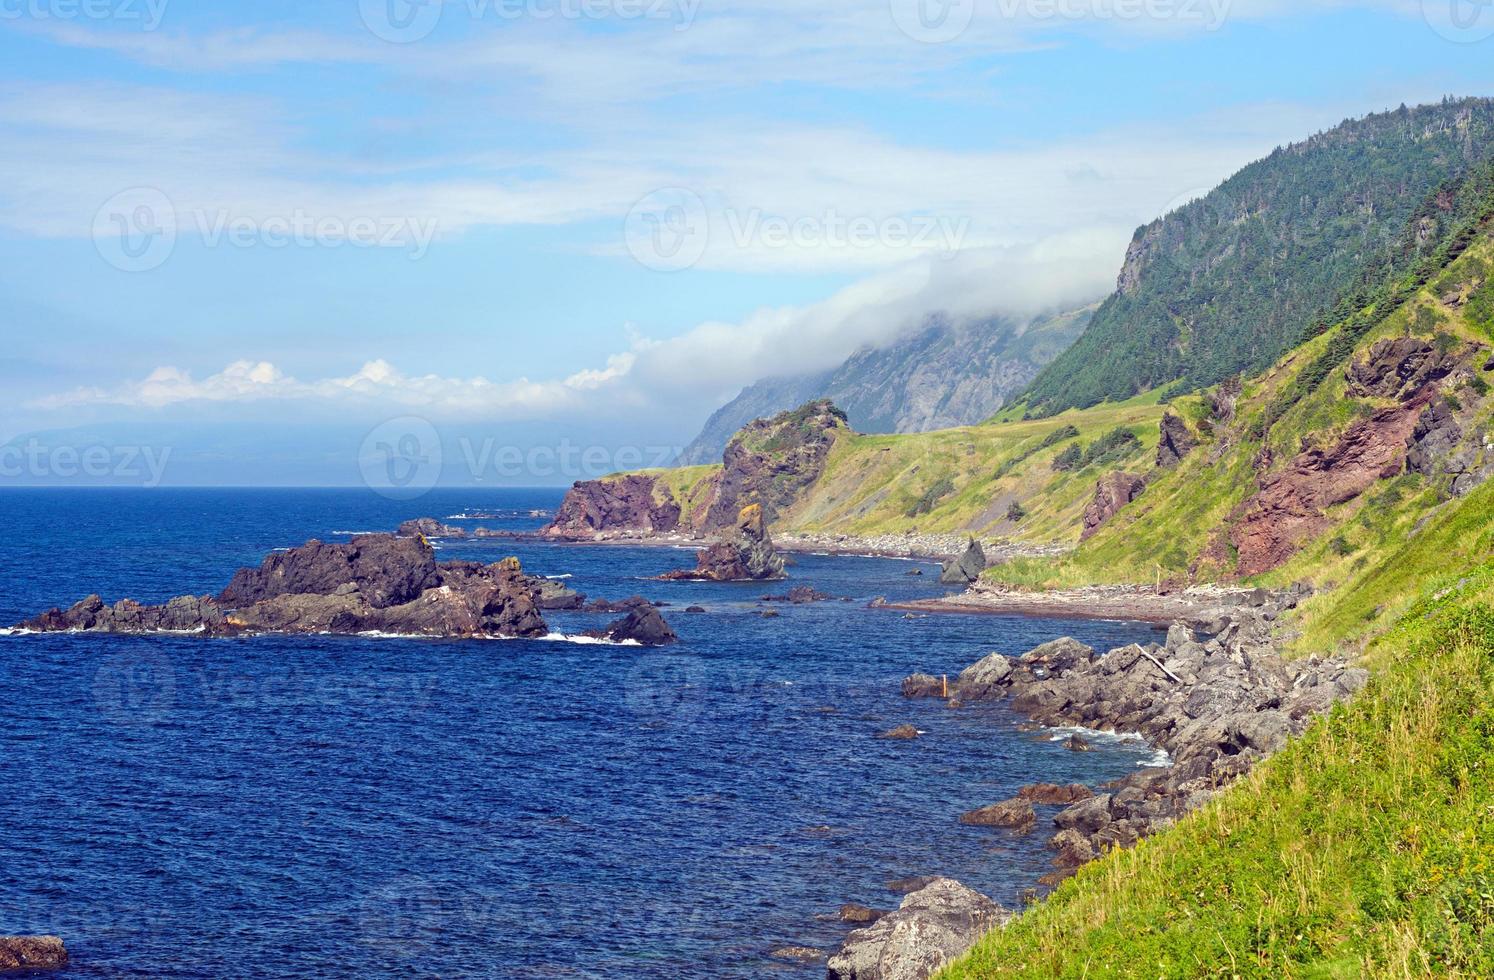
(1217, 704)
(1197, 606)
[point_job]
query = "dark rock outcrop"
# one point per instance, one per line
(429, 527)
(1176, 442)
(376, 583)
(934, 925)
(857, 914)
(638, 504)
(1397, 368)
(1112, 492)
(643, 625)
(1433, 439)
(966, 568)
(1053, 794)
(900, 733)
(385, 571)
(32, 953)
(745, 555)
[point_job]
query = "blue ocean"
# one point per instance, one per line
(350, 806)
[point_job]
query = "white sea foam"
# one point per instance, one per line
(557, 578)
(1159, 757)
(582, 640)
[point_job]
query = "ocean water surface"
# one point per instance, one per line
(351, 806)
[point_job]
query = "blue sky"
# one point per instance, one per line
(595, 221)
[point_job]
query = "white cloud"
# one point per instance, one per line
(686, 372)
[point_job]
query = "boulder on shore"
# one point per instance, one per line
(32, 953)
(966, 568)
(1016, 814)
(935, 925)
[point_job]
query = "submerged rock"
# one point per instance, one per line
(934, 926)
(32, 953)
(900, 733)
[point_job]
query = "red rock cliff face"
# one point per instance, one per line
(633, 503)
(1288, 510)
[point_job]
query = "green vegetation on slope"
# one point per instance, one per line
(1365, 848)
(1226, 284)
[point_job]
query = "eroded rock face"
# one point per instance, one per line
(376, 583)
(387, 571)
(934, 926)
(966, 568)
(1112, 492)
(1176, 442)
(32, 953)
(1433, 439)
(637, 503)
(1288, 510)
(771, 461)
(1395, 368)
(745, 555)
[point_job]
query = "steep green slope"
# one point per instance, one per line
(1226, 284)
(1363, 849)
(1295, 427)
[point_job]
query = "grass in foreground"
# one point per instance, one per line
(1363, 849)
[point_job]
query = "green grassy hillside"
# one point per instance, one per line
(1363, 849)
